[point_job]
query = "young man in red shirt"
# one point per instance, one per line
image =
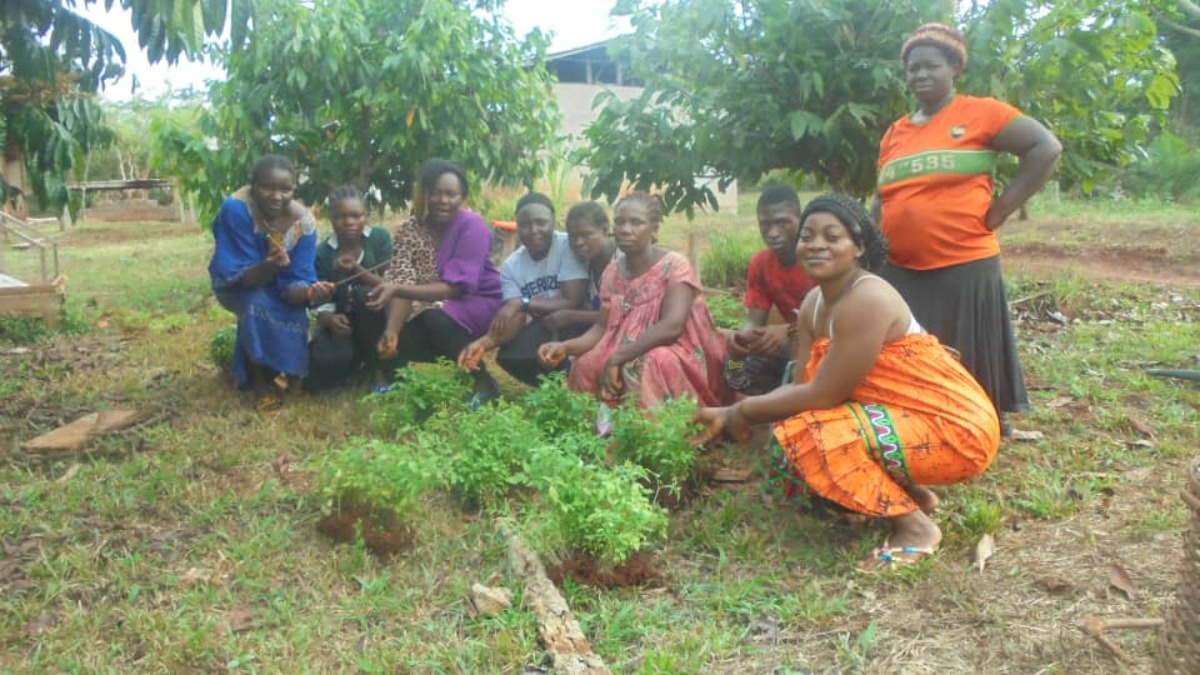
(759, 353)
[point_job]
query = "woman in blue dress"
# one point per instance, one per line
(263, 270)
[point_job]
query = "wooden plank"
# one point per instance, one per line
(73, 436)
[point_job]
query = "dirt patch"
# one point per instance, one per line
(639, 570)
(1147, 264)
(382, 531)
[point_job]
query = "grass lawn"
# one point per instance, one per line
(188, 543)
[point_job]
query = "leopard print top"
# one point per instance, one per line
(414, 255)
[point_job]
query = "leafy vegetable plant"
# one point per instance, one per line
(602, 510)
(374, 472)
(417, 393)
(658, 440)
(483, 450)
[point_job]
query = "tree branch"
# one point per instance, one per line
(1176, 26)
(1191, 8)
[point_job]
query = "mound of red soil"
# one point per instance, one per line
(382, 531)
(639, 570)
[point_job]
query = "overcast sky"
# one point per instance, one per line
(573, 23)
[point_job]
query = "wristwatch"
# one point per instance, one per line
(525, 300)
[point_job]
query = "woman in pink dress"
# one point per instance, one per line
(655, 337)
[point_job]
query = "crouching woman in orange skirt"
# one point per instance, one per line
(882, 409)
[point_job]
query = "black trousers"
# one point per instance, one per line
(519, 357)
(428, 336)
(334, 360)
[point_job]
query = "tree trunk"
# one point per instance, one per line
(13, 172)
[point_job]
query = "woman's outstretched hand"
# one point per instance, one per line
(718, 421)
(380, 296)
(552, 353)
(472, 355)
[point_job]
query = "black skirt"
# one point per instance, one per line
(966, 307)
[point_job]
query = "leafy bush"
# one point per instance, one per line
(604, 511)
(556, 410)
(377, 473)
(726, 261)
(658, 440)
(221, 346)
(485, 449)
(727, 310)
(418, 392)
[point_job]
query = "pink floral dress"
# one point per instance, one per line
(691, 366)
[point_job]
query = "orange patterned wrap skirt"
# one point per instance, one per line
(917, 418)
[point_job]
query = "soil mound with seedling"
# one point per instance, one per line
(382, 531)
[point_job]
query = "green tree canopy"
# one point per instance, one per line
(52, 63)
(363, 91)
(738, 88)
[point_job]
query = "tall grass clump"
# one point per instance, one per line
(726, 261)
(1168, 172)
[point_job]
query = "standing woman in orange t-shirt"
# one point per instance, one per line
(935, 205)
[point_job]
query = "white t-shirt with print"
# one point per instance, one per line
(522, 276)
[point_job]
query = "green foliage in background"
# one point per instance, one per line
(725, 263)
(738, 89)
(728, 311)
(1169, 170)
(326, 84)
(54, 61)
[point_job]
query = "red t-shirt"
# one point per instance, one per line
(769, 283)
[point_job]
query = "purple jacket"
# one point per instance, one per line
(464, 259)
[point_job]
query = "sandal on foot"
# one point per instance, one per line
(893, 557)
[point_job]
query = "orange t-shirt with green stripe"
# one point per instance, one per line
(935, 180)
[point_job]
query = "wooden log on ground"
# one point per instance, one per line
(73, 436)
(559, 632)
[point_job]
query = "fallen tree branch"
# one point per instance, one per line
(559, 632)
(1096, 627)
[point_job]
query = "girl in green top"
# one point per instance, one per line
(343, 346)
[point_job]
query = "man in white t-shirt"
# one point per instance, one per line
(538, 279)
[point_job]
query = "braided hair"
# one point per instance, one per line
(340, 194)
(862, 228)
(652, 202)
